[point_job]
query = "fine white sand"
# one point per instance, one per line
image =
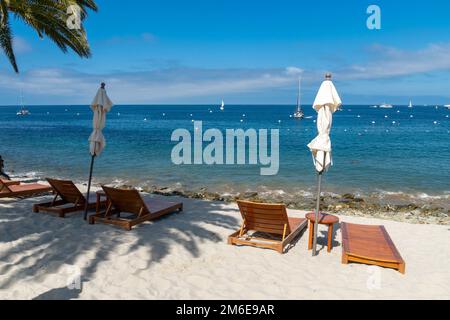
(186, 256)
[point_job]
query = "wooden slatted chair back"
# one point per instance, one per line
(125, 200)
(68, 191)
(262, 217)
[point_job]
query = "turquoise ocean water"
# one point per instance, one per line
(374, 150)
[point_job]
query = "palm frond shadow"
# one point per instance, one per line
(38, 244)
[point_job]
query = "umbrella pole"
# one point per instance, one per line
(316, 214)
(89, 187)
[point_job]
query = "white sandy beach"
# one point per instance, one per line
(186, 256)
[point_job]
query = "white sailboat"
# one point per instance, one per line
(299, 114)
(23, 111)
(222, 106)
(410, 104)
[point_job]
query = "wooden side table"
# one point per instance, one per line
(326, 219)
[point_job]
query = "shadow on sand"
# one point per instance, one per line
(38, 244)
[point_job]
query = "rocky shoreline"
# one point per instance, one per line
(418, 212)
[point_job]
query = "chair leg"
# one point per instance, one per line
(344, 258)
(310, 239)
(330, 237)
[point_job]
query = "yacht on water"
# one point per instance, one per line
(410, 104)
(222, 106)
(447, 106)
(386, 106)
(23, 111)
(299, 114)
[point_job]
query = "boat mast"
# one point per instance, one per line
(298, 95)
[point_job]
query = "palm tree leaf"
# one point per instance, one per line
(6, 42)
(49, 18)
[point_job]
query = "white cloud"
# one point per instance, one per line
(177, 84)
(20, 45)
(391, 62)
(160, 85)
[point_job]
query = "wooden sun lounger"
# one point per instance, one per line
(14, 189)
(9, 182)
(70, 199)
(271, 224)
(130, 201)
(370, 245)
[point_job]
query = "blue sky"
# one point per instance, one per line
(243, 51)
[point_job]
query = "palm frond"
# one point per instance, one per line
(49, 19)
(6, 42)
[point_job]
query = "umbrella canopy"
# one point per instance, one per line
(326, 103)
(100, 106)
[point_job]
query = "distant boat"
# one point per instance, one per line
(299, 114)
(447, 106)
(222, 106)
(410, 104)
(386, 106)
(23, 111)
(374, 107)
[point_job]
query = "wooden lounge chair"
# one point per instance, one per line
(130, 201)
(370, 245)
(270, 224)
(70, 199)
(9, 182)
(14, 189)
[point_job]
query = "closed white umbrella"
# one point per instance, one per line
(326, 103)
(100, 106)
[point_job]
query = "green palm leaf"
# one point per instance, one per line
(49, 19)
